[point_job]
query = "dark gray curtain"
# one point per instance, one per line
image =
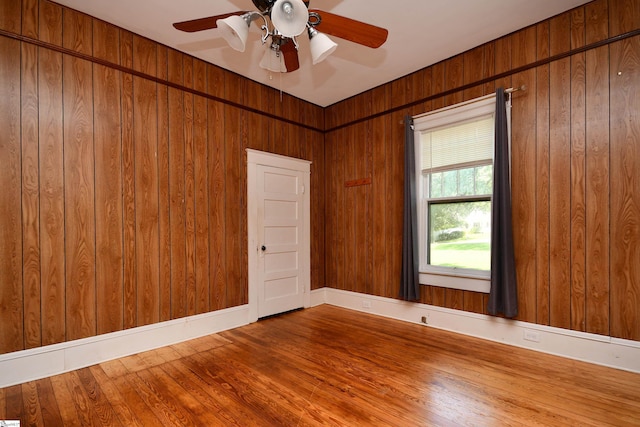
(503, 297)
(409, 284)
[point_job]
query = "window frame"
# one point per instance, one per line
(449, 277)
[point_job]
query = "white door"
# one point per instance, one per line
(278, 233)
(279, 197)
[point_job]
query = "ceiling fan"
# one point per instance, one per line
(282, 22)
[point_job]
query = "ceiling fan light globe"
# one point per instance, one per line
(289, 17)
(273, 61)
(321, 46)
(235, 30)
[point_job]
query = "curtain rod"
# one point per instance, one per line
(515, 89)
(471, 101)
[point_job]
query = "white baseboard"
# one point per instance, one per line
(592, 348)
(318, 297)
(27, 365)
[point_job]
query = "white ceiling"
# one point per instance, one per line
(421, 33)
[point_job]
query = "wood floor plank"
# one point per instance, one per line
(135, 402)
(276, 404)
(140, 361)
(181, 397)
(97, 399)
(68, 412)
(3, 404)
(117, 402)
(201, 381)
(237, 390)
(336, 367)
(360, 373)
(114, 368)
(197, 388)
(208, 342)
(308, 380)
(50, 410)
(89, 410)
(14, 403)
(31, 404)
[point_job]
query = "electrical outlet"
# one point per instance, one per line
(366, 304)
(530, 335)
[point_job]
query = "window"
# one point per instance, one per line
(454, 161)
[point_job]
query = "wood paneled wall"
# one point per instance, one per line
(122, 166)
(575, 169)
(123, 176)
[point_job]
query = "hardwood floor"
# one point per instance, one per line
(330, 366)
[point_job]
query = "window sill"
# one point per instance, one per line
(464, 283)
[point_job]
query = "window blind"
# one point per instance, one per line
(463, 143)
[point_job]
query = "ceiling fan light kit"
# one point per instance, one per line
(289, 17)
(284, 20)
(320, 45)
(235, 30)
(273, 61)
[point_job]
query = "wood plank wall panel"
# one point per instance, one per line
(625, 16)
(30, 179)
(524, 51)
(577, 168)
(164, 230)
(201, 182)
(351, 241)
(79, 171)
(331, 210)
(146, 200)
(503, 61)
(217, 203)
(30, 18)
(625, 187)
(245, 124)
(187, 63)
(12, 333)
(378, 188)
(30, 197)
(233, 242)
(201, 190)
(395, 178)
(597, 191)
(597, 171)
(559, 175)
(108, 182)
(574, 169)
(542, 184)
(189, 187)
(128, 185)
(50, 127)
(318, 247)
(335, 205)
(523, 176)
(11, 16)
(124, 200)
(177, 215)
(50, 22)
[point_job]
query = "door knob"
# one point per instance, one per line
(264, 248)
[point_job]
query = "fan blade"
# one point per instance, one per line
(290, 55)
(203, 23)
(350, 29)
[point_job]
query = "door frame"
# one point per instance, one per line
(255, 158)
